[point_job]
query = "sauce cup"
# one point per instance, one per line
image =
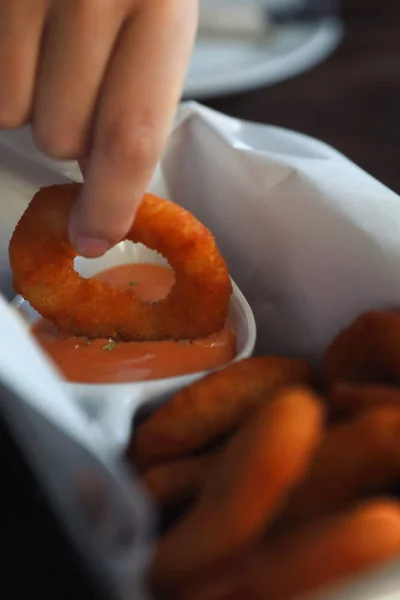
(114, 405)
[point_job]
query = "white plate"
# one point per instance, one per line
(228, 66)
(114, 404)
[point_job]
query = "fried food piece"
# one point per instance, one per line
(246, 487)
(212, 406)
(352, 399)
(42, 262)
(177, 480)
(309, 560)
(367, 351)
(358, 457)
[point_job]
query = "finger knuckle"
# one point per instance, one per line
(131, 145)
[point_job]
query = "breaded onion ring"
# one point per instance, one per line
(355, 459)
(246, 487)
(307, 559)
(42, 261)
(211, 407)
(178, 480)
(367, 351)
(351, 400)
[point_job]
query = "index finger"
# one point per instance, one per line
(141, 92)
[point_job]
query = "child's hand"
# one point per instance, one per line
(98, 79)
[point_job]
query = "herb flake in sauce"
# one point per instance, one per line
(110, 346)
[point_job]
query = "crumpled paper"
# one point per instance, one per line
(71, 459)
(310, 238)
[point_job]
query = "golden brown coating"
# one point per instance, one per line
(349, 400)
(42, 262)
(307, 560)
(366, 351)
(214, 405)
(355, 459)
(178, 480)
(245, 489)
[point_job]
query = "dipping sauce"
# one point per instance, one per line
(104, 361)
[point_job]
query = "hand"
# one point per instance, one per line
(100, 80)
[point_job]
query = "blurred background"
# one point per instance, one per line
(327, 68)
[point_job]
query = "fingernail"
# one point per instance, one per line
(91, 247)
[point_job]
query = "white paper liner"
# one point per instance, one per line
(310, 238)
(64, 448)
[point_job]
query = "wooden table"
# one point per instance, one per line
(352, 101)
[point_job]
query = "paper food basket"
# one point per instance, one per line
(310, 239)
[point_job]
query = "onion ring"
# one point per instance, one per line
(355, 459)
(214, 406)
(42, 262)
(307, 559)
(246, 487)
(367, 351)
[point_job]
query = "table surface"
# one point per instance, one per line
(351, 101)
